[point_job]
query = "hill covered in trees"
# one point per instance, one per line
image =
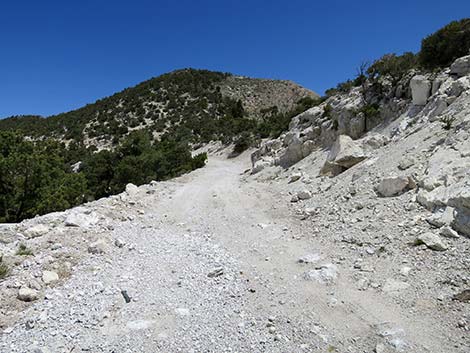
(141, 134)
(192, 105)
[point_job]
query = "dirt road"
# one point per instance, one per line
(211, 264)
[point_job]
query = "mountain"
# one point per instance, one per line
(195, 105)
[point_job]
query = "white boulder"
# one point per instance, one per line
(393, 186)
(461, 66)
(346, 152)
(78, 218)
(420, 89)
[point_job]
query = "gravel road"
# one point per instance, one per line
(210, 263)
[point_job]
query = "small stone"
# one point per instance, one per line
(304, 195)
(432, 241)
(309, 258)
(294, 177)
(405, 270)
(392, 285)
(294, 198)
(97, 247)
(49, 277)
(449, 232)
(406, 162)
(36, 231)
(219, 271)
(26, 294)
(463, 296)
(119, 243)
(182, 311)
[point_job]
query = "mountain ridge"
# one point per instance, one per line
(162, 104)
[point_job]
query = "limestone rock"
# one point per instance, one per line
(442, 218)
(294, 177)
(325, 274)
(331, 169)
(374, 141)
(420, 89)
(27, 294)
(345, 152)
(406, 162)
(459, 198)
(393, 186)
(36, 231)
(432, 241)
(97, 247)
(458, 87)
(304, 195)
(131, 189)
(461, 66)
(433, 199)
(309, 258)
(448, 232)
(49, 277)
(78, 218)
(392, 285)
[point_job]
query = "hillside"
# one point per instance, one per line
(196, 105)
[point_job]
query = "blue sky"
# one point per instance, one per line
(59, 55)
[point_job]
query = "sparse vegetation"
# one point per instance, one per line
(4, 270)
(447, 122)
(23, 250)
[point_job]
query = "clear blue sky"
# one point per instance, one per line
(59, 55)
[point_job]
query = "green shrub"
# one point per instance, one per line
(447, 44)
(199, 160)
(23, 250)
(243, 142)
(4, 270)
(447, 122)
(392, 65)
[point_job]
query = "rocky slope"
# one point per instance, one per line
(393, 197)
(185, 102)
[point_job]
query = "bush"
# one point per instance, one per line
(243, 142)
(4, 270)
(392, 65)
(23, 251)
(447, 121)
(441, 48)
(34, 179)
(199, 160)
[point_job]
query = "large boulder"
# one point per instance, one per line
(295, 151)
(420, 89)
(394, 185)
(345, 152)
(461, 66)
(460, 199)
(436, 198)
(458, 87)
